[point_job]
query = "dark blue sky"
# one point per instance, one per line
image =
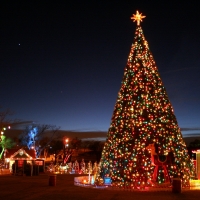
(62, 63)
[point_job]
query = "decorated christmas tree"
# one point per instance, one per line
(144, 144)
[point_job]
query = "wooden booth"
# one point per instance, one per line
(23, 162)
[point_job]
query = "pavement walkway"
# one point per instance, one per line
(37, 187)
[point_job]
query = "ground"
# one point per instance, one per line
(37, 187)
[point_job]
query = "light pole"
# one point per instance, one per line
(66, 143)
(65, 147)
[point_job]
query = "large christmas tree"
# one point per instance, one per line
(144, 143)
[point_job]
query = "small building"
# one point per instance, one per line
(23, 161)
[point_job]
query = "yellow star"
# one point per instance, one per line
(138, 17)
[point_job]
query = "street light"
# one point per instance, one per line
(66, 142)
(65, 147)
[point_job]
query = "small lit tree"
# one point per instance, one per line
(5, 143)
(5, 124)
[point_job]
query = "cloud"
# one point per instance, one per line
(192, 135)
(190, 129)
(181, 69)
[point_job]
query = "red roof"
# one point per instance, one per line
(20, 153)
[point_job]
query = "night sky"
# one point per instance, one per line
(62, 63)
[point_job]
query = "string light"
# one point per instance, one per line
(142, 115)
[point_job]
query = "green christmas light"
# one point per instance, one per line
(143, 115)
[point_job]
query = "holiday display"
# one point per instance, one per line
(76, 166)
(82, 166)
(144, 144)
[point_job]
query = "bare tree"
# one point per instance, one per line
(4, 121)
(75, 143)
(35, 136)
(97, 147)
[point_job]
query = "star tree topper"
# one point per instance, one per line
(138, 17)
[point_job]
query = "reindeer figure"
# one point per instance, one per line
(156, 161)
(151, 147)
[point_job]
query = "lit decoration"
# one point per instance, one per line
(197, 163)
(138, 17)
(194, 184)
(21, 152)
(143, 115)
(3, 141)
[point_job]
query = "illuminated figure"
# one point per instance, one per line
(76, 166)
(82, 166)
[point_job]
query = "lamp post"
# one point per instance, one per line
(66, 143)
(65, 147)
